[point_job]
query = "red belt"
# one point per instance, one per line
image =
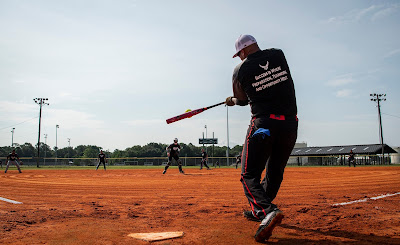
(280, 117)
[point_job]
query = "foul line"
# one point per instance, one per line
(10, 201)
(366, 199)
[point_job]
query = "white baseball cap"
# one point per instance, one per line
(242, 42)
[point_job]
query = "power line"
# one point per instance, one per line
(18, 123)
(390, 115)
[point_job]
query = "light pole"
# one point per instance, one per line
(57, 126)
(45, 148)
(205, 126)
(227, 136)
(69, 146)
(40, 102)
(12, 137)
(378, 98)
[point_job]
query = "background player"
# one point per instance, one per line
(12, 158)
(173, 152)
(238, 159)
(351, 159)
(204, 159)
(102, 159)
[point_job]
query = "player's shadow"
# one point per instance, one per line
(355, 237)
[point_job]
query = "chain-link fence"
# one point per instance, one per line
(212, 161)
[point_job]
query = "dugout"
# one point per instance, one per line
(338, 155)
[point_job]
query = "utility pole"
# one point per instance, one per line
(45, 148)
(212, 152)
(205, 126)
(203, 140)
(378, 98)
(40, 102)
(57, 126)
(69, 146)
(12, 137)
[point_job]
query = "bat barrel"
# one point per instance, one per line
(190, 113)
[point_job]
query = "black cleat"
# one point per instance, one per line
(249, 215)
(181, 172)
(164, 171)
(268, 224)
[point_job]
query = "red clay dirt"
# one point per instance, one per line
(103, 207)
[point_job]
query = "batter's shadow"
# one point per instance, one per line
(357, 238)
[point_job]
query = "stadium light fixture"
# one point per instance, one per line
(69, 146)
(378, 98)
(45, 147)
(40, 102)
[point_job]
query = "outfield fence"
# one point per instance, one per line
(212, 161)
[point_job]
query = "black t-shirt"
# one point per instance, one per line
(12, 157)
(265, 78)
(102, 156)
(204, 155)
(174, 149)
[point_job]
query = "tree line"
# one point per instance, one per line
(92, 151)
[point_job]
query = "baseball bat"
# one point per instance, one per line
(191, 113)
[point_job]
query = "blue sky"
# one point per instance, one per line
(114, 71)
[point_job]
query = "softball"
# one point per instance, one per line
(188, 110)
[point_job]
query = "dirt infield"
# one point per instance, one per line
(103, 207)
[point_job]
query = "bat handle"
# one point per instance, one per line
(215, 105)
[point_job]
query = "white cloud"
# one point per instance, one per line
(340, 81)
(8, 107)
(386, 12)
(373, 12)
(334, 132)
(72, 119)
(353, 15)
(392, 53)
(143, 122)
(344, 93)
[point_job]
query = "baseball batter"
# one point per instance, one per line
(173, 152)
(12, 158)
(263, 80)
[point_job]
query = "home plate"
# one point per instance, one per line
(156, 236)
